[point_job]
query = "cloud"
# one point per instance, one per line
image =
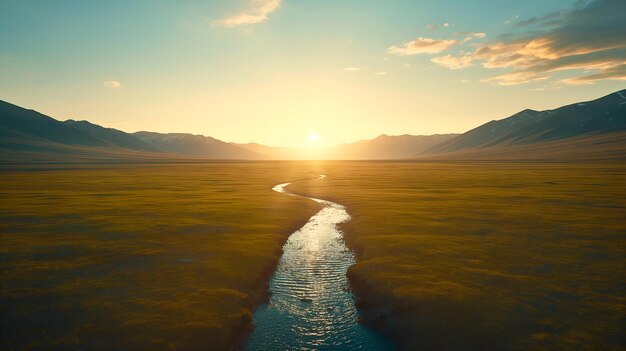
(589, 40)
(257, 14)
(471, 35)
(437, 26)
(112, 84)
(381, 73)
(432, 46)
(551, 19)
(352, 69)
(453, 62)
(423, 46)
(615, 73)
(515, 78)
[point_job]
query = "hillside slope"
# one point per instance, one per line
(591, 127)
(111, 136)
(389, 147)
(197, 146)
(383, 147)
(27, 136)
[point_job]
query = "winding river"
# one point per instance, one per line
(311, 306)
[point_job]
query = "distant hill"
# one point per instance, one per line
(111, 136)
(592, 130)
(197, 146)
(274, 152)
(605, 147)
(388, 147)
(383, 147)
(28, 136)
(603, 119)
(19, 126)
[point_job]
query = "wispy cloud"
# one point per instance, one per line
(615, 73)
(423, 46)
(471, 35)
(258, 13)
(352, 69)
(112, 84)
(515, 78)
(380, 73)
(588, 41)
(437, 26)
(453, 62)
(433, 46)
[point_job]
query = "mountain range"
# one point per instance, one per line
(582, 130)
(594, 130)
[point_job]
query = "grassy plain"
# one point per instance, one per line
(502, 256)
(140, 257)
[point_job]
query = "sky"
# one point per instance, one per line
(277, 71)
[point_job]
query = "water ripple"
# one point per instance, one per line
(311, 307)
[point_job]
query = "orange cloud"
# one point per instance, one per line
(258, 13)
(591, 38)
(515, 78)
(422, 46)
(453, 62)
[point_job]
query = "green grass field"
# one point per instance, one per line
(486, 256)
(450, 255)
(150, 257)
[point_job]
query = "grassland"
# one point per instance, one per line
(150, 257)
(450, 255)
(486, 256)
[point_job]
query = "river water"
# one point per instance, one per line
(311, 306)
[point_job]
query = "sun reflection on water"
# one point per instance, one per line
(311, 307)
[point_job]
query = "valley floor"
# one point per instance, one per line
(151, 257)
(449, 255)
(486, 255)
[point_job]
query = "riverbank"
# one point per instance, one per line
(478, 256)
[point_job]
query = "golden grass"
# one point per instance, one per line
(486, 256)
(451, 255)
(150, 257)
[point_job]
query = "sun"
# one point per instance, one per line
(314, 137)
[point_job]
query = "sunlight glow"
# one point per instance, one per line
(314, 137)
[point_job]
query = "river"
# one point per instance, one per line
(311, 306)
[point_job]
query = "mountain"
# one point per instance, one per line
(197, 146)
(388, 147)
(110, 136)
(28, 136)
(605, 147)
(383, 147)
(25, 129)
(576, 122)
(274, 152)
(592, 130)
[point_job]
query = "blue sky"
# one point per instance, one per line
(274, 71)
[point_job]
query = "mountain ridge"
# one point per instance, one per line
(603, 115)
(595, 127)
